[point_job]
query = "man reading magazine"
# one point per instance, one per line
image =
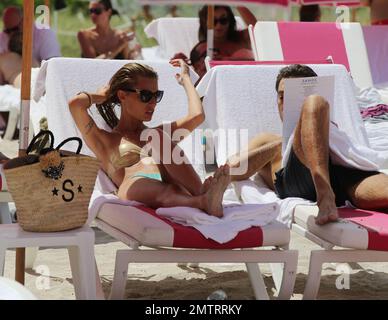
(309, 171)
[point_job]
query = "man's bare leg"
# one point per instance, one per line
(262, 156)
(371, 193)
(311, 146)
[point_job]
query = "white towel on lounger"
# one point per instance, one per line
(258, 192)
(236, 218)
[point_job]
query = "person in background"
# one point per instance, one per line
(310, 13)
(378, 11)
(229, 43)
(11, 61)
(197, 58)
(45, 43)
(147, 13)
(172, 11)
(102, 41)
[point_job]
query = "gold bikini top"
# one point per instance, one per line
(128, 154)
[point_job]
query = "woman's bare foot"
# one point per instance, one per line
(328, 211)
(213, 197)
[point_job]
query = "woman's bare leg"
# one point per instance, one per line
(157, 194)
(171, 171)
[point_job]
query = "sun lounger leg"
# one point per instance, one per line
(87, 265)
(257, 281)
(277, 272)
(5, 214)
(2, 259)
(75, 270)
(83, 266)
(31, 254)
(289, 275)
(11, 124)
(100, 292)
(314, 276)
(121, 275)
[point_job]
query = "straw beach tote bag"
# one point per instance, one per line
(51, 188)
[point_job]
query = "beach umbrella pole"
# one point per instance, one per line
(28, 23)
(210, 31)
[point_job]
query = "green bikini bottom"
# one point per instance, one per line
(155, 176)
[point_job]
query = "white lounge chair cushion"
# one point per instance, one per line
(149, 229)
(357, 229)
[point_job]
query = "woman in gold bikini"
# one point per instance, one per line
(141, 175)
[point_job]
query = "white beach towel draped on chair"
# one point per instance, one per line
(256, 191)
(236, 218)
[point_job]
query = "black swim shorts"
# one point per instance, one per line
(295, 180)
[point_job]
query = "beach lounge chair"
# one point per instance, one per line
(306, 41)
(176, 35)
(360, 236)
(138, 226)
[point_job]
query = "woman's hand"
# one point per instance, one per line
(185, 70)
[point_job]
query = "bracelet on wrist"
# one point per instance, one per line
(88, 95)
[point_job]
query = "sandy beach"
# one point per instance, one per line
(170, 281)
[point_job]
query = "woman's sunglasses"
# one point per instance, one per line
(96, 11)
(223, 21)
(147, 95)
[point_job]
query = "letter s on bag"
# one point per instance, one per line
(68, 190)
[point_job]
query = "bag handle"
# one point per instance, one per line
(59, 146)
(40, 134)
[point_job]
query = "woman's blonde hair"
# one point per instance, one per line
(125, 78)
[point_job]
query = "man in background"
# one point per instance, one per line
(310, 13)
(45, 43)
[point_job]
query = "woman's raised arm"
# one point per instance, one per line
(195, 115)
(79, 105)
